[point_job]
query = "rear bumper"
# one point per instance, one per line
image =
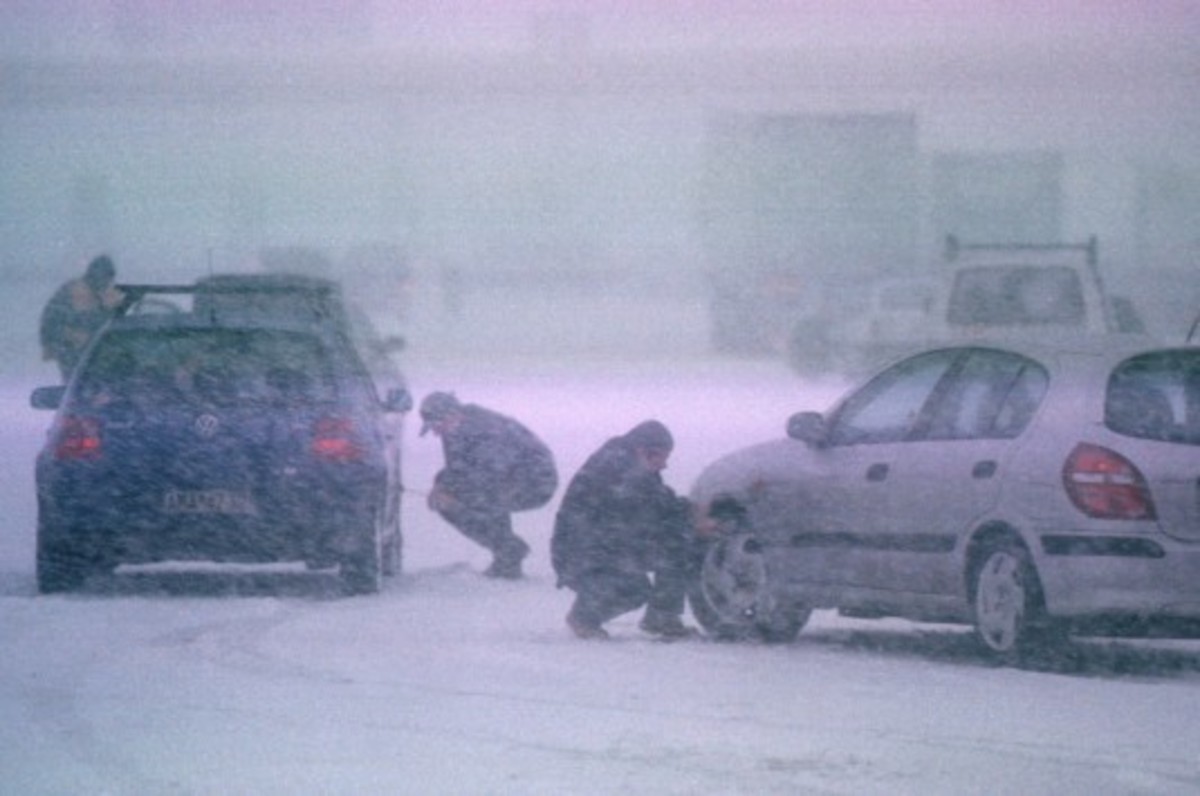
(317, 523)
(1115, 576)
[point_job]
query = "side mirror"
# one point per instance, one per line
(47, 397)
(807, 427)
(398, 399)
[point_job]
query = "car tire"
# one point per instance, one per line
(1007, 604)
(361, 572)
(393, 551)
(64, 567)
(730, 598)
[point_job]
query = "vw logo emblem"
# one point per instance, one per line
(206, 425)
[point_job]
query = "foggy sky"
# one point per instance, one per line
(67, 27)
(564, 134)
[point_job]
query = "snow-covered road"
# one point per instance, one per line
(211, 681)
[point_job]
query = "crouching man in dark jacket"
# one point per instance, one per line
(494, 466)
(618, 522)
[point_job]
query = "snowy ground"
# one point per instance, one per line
(208, 682)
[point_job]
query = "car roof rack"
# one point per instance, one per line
(320, 295)
(132, 294)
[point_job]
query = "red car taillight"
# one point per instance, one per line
(334, 439)
(1104, 484)
(77, 439)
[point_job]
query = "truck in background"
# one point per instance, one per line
(1013, 201)
(986, 291)
(796, 211)
(1013, 196)
(1028, 288)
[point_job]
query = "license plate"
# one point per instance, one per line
(208, 501)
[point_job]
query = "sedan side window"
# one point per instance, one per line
(890, 407)
(1156, 396)
(1021, 402)
(992, 396)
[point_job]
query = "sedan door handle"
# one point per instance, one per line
(877, 472)
(983, 469)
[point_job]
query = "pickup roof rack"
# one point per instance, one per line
(1090, 248)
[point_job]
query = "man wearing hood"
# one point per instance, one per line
(618, 524)
(76, 312)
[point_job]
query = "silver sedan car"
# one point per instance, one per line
(1028, 490)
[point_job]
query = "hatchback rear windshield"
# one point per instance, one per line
(1017, 296)
(1156, 396)
(217, 366)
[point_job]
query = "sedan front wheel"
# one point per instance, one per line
(731, 599)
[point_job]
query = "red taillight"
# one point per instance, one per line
(78, 439)
(1104, 484)
(334, 440)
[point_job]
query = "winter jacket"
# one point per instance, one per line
(493, 461)
(71, 317)
(616, 515)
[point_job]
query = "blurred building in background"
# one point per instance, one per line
(567, 143)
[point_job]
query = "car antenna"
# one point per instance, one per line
(212, 307)
(1192, 332)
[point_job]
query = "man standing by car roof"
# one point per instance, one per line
(494, 466)
(76, 312)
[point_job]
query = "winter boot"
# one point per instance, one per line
(666, 625)
(507, 564)
(585, 630)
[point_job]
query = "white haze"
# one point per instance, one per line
(546, 155)
(553, 138)
(206, 681)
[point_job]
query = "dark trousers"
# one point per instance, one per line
(488, 527)
(601, 595)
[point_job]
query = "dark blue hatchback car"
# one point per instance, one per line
(213, 433)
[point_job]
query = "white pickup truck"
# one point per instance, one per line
(987, 290)
(1029, 289)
